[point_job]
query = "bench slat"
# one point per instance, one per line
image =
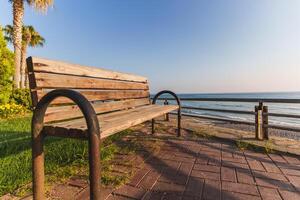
(101, 95)
(113, 122)
(67, 112)
(45, 65)
(46, 80)
(79, 123)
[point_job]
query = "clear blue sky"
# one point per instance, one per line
(183, 45)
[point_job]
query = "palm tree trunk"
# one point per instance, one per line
(18, 13)
(23, 66)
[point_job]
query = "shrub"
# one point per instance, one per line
(6, 70)
(12, 109)
(21, 97)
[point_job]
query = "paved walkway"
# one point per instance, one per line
(194, 168)
(206, 169)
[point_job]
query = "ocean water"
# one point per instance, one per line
(283, 108)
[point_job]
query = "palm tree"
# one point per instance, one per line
(18, 14)
(31, 38)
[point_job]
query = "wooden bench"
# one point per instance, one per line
(82, 102)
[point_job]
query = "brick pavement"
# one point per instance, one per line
(206, 169)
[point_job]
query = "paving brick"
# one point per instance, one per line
(148, 181)
(205, 175)
(129, 191)
(291, 171)
(288, 195)
(256, 165)
(250, 155)
(244, 176)
(226, 154)
(226, 195)
(239, 155)
(168, 187)
(85, 193)
(235, 165)
(240, 188)
(64, 191)
(77, 182)
(235, 160)
(185, 168)
(152, 195)
(214, 161)
(292, 160)
(228, 174)
(268, 175)
(8, 197)
(171, 164)
(295, 180)
(271, 167)
(184, 159)
(209, 168)
(274, 184)
(138, 176)
(194, 187)
(188, 154)
(289, 166)
(116, 197)
(269, 193)
(177, 179)
(277, 158)
(189, 197)
(212, 190)
(202, 160)
(171, 196)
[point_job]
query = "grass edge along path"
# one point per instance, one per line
(64, 157)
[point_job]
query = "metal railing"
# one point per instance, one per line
(260, 113)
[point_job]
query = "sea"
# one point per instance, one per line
(282, 108)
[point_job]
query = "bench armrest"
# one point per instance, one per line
(178, 111)
(167, 92)
(38, 139)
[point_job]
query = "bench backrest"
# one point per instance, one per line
(107, 90)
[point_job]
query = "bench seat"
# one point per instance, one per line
(109, 123)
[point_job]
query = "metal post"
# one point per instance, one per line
(167, 115)
(265, 120)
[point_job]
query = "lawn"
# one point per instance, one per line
(64, 157)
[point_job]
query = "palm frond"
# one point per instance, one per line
(8, 33)
(40, 5)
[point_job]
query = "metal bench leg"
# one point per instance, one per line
(94, 165)
(38, 161)
(152, 125)
(179, 123)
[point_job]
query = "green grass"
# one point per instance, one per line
(64, 157)
(201, 133)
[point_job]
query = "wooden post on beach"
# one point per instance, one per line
(258, 123)
(167, 115)
(265, 120)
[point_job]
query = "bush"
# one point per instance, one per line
(6, 70)
(12, 109)
(21, 97)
